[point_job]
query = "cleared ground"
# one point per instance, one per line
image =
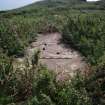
(56, 56)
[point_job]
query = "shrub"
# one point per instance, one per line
(48, 92)
(9, 40)
(86, 33)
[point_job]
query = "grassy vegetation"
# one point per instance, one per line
(82, 26)
(86, 33)
(22, 25)
(38, 86)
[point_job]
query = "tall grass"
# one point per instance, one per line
(87, 34)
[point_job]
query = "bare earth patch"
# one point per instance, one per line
(64, 61)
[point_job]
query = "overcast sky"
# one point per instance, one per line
(92, 0)
(12, 4)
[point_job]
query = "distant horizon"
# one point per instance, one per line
(14, 4)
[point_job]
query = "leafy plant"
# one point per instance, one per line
(86, 33)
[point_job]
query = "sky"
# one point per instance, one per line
(92, 0)
(12, 4)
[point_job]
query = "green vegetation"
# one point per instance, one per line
(48, 92)
(87, 34)
(82, 26)
(38, 86)
(22, 25)
(102, 4)
(15, 35)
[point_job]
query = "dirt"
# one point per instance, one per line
(65, 62)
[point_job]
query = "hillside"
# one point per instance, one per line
(70, 4)
(82, 26)
(44, 13)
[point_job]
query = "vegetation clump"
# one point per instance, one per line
(86, 34)
(38, 86)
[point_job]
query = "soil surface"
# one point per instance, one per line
(56, 56)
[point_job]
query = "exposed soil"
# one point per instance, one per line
(62, 60)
